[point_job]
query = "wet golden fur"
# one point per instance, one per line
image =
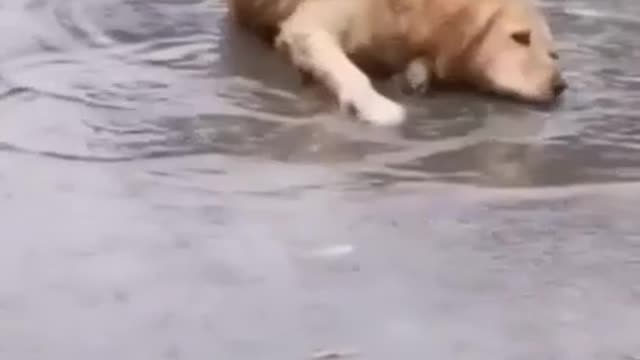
(502, 46)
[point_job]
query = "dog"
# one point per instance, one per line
(504, 47)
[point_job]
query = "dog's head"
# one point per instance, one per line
(505, 47)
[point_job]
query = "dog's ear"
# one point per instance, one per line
(457, 38)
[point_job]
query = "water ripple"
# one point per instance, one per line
(119, 80)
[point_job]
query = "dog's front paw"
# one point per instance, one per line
(375, 109)
(416, 78)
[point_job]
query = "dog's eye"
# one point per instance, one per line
(554, 55)
(522, 37)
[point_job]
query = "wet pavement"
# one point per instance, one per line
(169, 191)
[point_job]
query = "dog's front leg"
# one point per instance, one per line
(315, 50)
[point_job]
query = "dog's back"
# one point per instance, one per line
(262, 16)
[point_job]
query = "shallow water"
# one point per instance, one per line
(169, 191)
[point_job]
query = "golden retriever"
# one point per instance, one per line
(501, 46)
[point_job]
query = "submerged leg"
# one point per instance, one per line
(416, 78)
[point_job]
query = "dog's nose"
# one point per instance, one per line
(559, 86)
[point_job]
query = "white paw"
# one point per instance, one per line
(374, 108)
(416, 77)
(381, 111)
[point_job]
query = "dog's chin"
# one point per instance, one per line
(541, 99)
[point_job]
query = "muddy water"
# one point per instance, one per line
(169, 191)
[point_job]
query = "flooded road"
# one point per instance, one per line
(169, 191)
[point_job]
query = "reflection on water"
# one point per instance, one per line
(166, 185)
